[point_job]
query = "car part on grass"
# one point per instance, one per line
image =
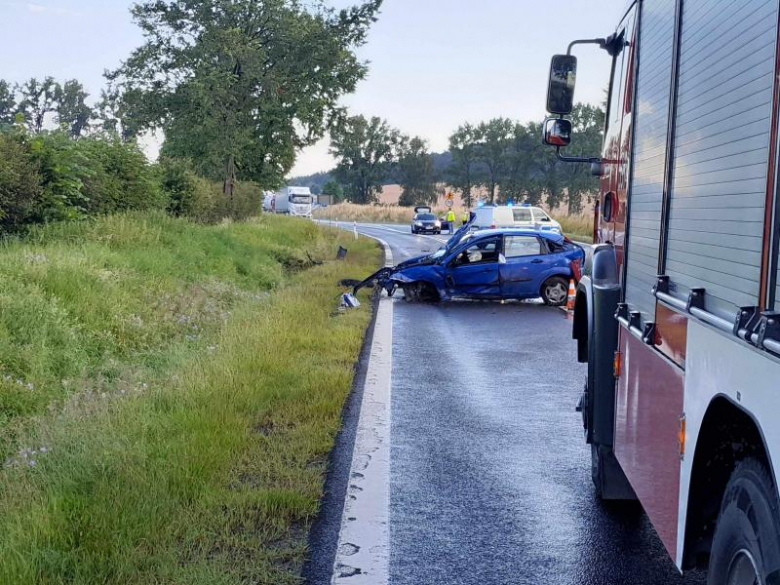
(342, 253)
(349, 301)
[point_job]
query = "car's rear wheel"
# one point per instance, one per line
(555, 291)
(746, 545)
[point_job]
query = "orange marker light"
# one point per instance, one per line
(682, 436)
(617, 365)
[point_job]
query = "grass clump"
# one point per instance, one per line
(172, 393)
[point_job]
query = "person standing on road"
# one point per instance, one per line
(464, 219)
(451, 220)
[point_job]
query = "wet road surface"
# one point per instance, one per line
(489, 475)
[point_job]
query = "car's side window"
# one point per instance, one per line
(541, 216)
(522, 214)
(519, 246)
(480, 252)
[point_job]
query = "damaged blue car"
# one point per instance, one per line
(489, 264)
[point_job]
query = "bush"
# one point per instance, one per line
(92, 176)
(203, 200)
(51, 177)
(20, 182)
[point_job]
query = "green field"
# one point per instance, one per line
(169, 393)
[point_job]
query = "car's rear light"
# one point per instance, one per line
(576, 270)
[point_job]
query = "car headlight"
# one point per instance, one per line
(438, 224)
(418, 223)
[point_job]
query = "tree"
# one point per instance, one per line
(39, 98)
(587, 138)
(517, 182)
(462, 172)
(238, 86)
(415, 167)
(365, 150)
(334, 190)
(492, 140)
(7, 104)
(72, 110)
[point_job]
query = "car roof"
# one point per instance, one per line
(556, 237)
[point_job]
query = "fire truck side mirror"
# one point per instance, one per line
(557, 132)
(560, 90)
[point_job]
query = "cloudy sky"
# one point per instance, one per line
(434, 63)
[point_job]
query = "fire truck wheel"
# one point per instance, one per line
(746, 546)
(555, 291)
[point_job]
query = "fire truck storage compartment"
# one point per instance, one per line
(652, 121)
(721, 151)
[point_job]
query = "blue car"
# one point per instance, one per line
(491, 264)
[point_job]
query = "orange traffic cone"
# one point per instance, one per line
(572, 296)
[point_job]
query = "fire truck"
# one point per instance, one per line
(678, 315)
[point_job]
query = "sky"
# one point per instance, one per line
(434, 64)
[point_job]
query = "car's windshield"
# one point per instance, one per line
(425, 216)
(300, 198)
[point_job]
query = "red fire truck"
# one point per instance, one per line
(678, 316)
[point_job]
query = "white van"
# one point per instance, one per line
(534, 218)
(492, 217)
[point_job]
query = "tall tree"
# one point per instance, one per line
(39, 98)
(239, 85)
(492, 141)
(416, 173)
(519, 173)
(335, 190)
(462, 173)
(7, 104)
(365, 151)
(72, 110)
(587, 137)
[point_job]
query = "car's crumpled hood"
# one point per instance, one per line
(416, 261)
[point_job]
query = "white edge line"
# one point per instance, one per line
(363, 550)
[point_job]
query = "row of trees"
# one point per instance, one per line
(35, 102)
(504, 157)
(234, 87)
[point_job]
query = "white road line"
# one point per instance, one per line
(363, 553)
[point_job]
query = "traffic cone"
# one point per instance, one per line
(572, 296)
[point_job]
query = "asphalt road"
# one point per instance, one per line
(489, 474)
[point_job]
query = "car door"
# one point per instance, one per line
(474, 269)
(526, 263)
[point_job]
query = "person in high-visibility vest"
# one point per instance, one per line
(451, 220)
(464, 219)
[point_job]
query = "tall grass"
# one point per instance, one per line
(369, 213)
(172, 393)
(579, 227)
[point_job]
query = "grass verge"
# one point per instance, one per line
(206, 376)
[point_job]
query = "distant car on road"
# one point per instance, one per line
(494, 264)
(426, 223)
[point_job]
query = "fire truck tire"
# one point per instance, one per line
(746, 545)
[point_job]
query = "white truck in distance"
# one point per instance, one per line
(297, 201)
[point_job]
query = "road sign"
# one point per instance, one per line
(449, 203)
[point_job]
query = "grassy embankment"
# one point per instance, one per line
(169, 393)
(579, 227)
